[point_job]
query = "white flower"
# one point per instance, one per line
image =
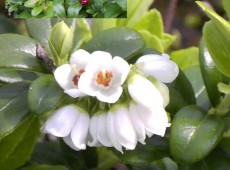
(68, 75)
(120, 129)
(104, 76)
(158, 66)
(144, 92)
(148, 120)
(98, 130)
(71, 123)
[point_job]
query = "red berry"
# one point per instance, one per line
(84, 2)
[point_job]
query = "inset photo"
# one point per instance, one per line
(66, 8)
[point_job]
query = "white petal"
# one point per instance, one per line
(154, 119)
(80, 58)
(161, 68)
(102, 133)
(122, 65)
(75, 93)
(125, 130)
(80, 131)
(137, 122)
(110, 95)
(70, 143)
(112, 132)
(93, 130)
(86, 84)
(101, 55)
(164, 92)
(144, 92)
(63, 75)
(61, 122)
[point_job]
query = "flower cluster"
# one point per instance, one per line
(134, 99)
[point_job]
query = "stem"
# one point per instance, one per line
(170, 16)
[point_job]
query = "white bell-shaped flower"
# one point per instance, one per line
(120, 129)
(70, 122)
(104, 76)
(98, 130)
(62, 121)
(158, 66)
(67, 75)
(144, 92)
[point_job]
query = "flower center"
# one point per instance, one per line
(104, 77)
(77, 77)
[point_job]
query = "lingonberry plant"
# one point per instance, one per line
(67, 8)
(92, 94)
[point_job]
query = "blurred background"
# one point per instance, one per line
(181, 17)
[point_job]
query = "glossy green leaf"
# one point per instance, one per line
(123, 42)
(156, 148)
(166, 164)
(112, 10)
(13, 106)
(194, 134)
(17, 147)
(195, 78)
(216, 34)
(211, 75)
(30, 3)
(12, 76)
(19, 53)
(45, 167)
(37, 10)
(181, 93)
(73, 10)
(186, 58)
(44, 95)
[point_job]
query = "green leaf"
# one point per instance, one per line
(156, 148)
(37, 10)
(152, 41)
(194, 134)
(216, 34)
(45, 167)
(40, 30)
(226, 5)
(122, 4)
(186, 58)
(44, 95)
(30, 3)
(195, 77)
(122, 42)
(17, 147)
(111, 10)
(166, 164)
(181, 93)
(224, 88)
(60, 42)
(211, 75)
(136, 9)
(12, 76)
(13, 106)
(151, 22)
(73, 10)
(19, 53)
(60, 10)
